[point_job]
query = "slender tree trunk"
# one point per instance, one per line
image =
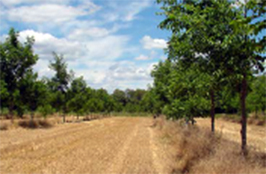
(256, 112)
(212, 110)
(64, 117)
(31, 119)
(64, 113)
(31, 115)
(243, 95)
(11, 114)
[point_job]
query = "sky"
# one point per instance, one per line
(111, 43)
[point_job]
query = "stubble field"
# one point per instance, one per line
(110, 145)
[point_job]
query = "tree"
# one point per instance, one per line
(161, 75)
(210, 33)
(34, 92)
(246, 52)
(199, 29)
(119, 96)
(16, 60)
(77, 95)
(60, 82)
(185, 91)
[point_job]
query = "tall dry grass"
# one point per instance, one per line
(253, 119)
(197, 150)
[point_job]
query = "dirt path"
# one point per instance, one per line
(113, 145)
(256, 135)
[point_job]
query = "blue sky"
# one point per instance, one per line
(112, 43)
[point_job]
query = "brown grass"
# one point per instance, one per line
(199, 151)
(253, 119)
(33, 124)
(3, 126)
(111, 145)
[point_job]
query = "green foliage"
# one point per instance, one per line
(16, 61)
(256, 100)
(183, 91)
(59, 83)
(45, 110)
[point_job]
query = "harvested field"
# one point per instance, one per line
(111, 145)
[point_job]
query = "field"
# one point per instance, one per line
(109, 145)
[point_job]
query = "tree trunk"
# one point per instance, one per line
(243, 94)
(212, 111)
(31, 119)
(31, 115)
(64, 118)
(11, 108)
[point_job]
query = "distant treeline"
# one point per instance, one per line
(22, 91)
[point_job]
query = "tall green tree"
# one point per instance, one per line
(246, 51)
(77, 94)
(221, 34)
(198, 30)
(59, 83)
(16, 60)
(34, 92)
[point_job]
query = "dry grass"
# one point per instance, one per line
(199, 151)
(111, 145)
(34, 124)
(253, 119)
(3, 126)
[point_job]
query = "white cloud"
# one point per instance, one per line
(42, 67)
(49, 13)
(106, 48)
(125, 11)
(150, 43)
(109, 47)
(142, 57)
(10, 3)
(135, 8)
(84, 34)
(127, 74)
(46, 43)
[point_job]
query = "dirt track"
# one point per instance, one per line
(112, 145)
